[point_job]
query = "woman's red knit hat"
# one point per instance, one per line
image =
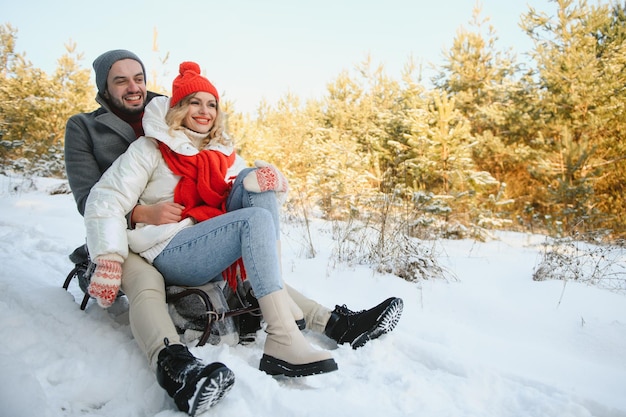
(190, 81)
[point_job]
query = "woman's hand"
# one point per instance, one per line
(265, 178)
(160, 213)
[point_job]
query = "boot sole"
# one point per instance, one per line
(301, 324)
(211, 390)
(385, 323)
(273, 366)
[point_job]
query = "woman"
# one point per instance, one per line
(230, 216)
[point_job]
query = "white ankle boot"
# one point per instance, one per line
(286, 350)
(298, 314)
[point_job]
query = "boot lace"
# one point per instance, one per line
(345, 311)
(178, 362)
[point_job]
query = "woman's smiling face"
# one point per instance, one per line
(201, 112)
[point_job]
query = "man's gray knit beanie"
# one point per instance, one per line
(104, 62)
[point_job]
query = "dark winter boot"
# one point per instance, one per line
(194, 386)
(84, 266)
(358, 328)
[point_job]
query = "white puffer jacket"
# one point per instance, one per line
(140, 176)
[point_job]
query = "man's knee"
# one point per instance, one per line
(138, 275)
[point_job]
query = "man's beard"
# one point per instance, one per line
(121, 106)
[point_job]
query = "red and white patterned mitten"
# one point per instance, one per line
(105, 281)
(265, 178)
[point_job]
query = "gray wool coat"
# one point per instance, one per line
(92, 142)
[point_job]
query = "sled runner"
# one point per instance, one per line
(211, 313)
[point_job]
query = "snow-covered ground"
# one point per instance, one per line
(493, 343)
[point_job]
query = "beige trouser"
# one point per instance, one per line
(316, 315)
(150, 321)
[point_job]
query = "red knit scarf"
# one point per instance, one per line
(202, 190)
(134, 120)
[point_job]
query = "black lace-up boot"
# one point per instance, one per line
(358, 328)
(194, 386)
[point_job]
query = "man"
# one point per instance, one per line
(92, 142)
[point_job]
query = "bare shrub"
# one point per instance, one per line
(597, 264)
(388, 250)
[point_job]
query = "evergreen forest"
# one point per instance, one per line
(493, 142)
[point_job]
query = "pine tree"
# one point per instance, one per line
(580, 77)
(478, 75)
(35, 106)
(475, 82)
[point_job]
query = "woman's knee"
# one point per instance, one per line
(267, 203)
(261, 219)
(237, 196)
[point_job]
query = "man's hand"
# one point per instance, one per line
(160, 213)
(105, 281)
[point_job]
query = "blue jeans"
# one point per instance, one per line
(248, 230)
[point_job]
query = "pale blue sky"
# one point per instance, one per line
(254, 49)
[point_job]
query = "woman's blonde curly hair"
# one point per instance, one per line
(175, 116)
